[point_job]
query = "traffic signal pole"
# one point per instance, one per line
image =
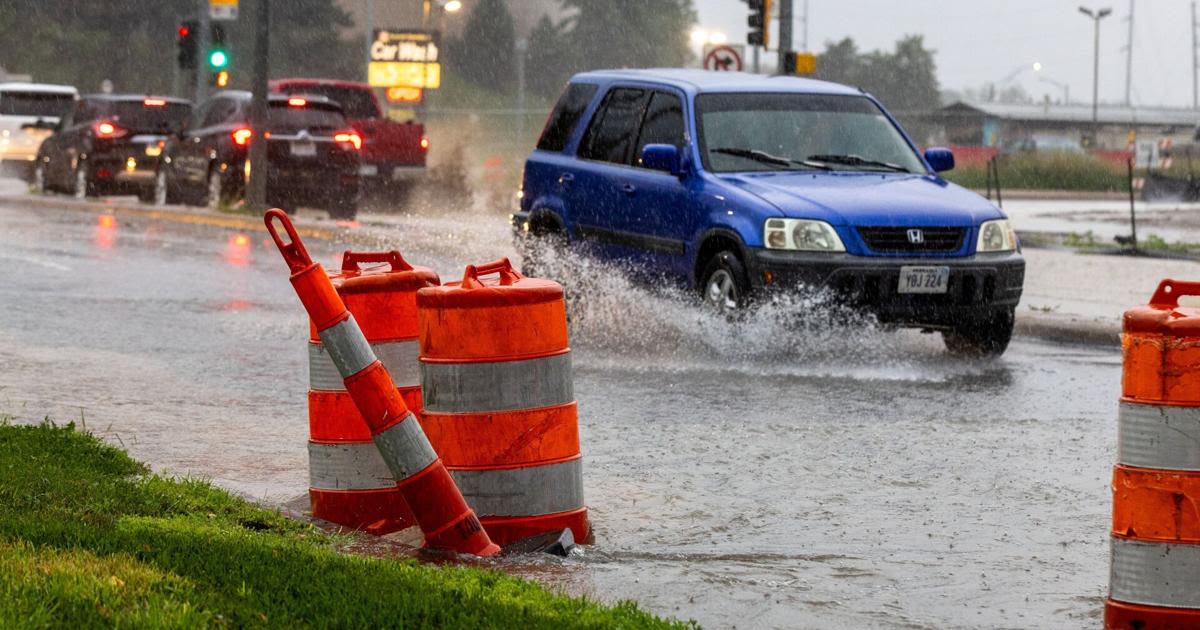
(202, 51)
(256, 187)
(785, 33)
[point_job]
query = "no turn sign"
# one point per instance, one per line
(723, 58)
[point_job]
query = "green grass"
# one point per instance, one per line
(1047, 171)
(89, 538)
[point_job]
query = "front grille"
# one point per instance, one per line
(895, 240)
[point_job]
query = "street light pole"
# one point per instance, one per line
(256, 187)
(1096, 16)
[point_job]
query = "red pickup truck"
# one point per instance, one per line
(392, 154)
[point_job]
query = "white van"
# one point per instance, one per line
(28, 113)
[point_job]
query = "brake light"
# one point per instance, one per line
(297, 102)
(348, 137)
(424, 143)
(107, 129)
(241, 137)
(154, 102)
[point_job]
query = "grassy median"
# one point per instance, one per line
(88, 537)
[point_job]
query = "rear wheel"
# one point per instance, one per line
(38, 181)
(161, 194)
(986, 337)
(723, 283)
(215, 190)
(81, 186)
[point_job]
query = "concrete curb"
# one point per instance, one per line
(1069, 328)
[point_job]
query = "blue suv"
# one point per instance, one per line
(738, 185)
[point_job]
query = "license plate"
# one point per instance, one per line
(923, 279)
(153, 150)
(304, 149)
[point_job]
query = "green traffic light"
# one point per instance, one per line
(218, 58)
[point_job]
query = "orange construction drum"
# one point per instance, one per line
(349, 482)
(499, 402)
(1155, 577)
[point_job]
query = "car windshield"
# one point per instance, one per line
(771, 132)
(148, 115)
(43, 104)
(284, 118)
(355, 103)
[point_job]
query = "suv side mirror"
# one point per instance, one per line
(662, 157)
(940, 159)
(39, 124)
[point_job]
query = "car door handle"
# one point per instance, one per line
(565, 179)
(629, 189)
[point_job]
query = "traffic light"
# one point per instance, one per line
(759, 22)
(221, 79)
(218, 57)
(187, 44)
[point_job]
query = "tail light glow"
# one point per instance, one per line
(424, 143)
(155, 102)
(241, 137)
(297, 102)
(106, 129)
(348, 137)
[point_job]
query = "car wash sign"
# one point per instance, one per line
(405, 59)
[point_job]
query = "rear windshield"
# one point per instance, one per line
(34, 104)
(283, 118)
(355, 103)
(138, 116)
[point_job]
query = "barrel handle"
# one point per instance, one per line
(1169, 292)
(350, 260)
(508, 275)
(294, 254)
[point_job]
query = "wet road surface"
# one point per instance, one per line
(750, 475)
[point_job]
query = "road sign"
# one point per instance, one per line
(223, 9)
(802, 63)
(725, 57)
(405, 59)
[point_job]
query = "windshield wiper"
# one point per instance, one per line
(767, 158)
(856, 160)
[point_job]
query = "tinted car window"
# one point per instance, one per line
(86, 112)
(614, 128)
(222, 111)
(138, 116)
(34, 104)
(282, 118)
(566, 115)
(355, 103)
(663, 123)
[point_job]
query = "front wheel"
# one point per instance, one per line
(724, 284)
(986, 337)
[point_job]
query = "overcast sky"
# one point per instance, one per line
(981, 41)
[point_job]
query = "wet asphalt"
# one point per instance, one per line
(748, 475)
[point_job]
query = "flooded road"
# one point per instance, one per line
(745, 475)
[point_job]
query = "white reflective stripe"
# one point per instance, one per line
(347, 347)
(501, 386)
(1158, 436)
(347, 466)
(1155, 574)
(528, 491)
(399, 357)
(405, 449)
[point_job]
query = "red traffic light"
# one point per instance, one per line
(184, 30)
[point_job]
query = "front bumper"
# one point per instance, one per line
(978, 285)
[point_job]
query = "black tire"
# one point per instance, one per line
(82, 185)
(160, 193)
(984, 338)
(724, 283)
(216, 192)
(37, 180)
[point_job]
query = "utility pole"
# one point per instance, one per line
(521, 48)
(256, 188)
(369, 34)
(203, 42)
(1195, 62)
(1096, 16)
(1129, 61)
(755, 55)
(785, 32)
(804, 32)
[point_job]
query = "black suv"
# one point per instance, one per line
(109, 144)
(312, 155)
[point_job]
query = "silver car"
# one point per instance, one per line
(28, 113)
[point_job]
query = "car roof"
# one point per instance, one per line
(275, 83)
(20, 86)
(243, 95)
(135, 97)
(703, 81)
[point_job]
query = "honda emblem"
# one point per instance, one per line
(916, 237)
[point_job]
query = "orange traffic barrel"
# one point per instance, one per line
(349, 484)
(1154, 581)
(499, 401)
(436, 502)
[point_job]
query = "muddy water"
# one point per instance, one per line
(750, 474)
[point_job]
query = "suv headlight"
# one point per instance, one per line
(996, 236)
(801, 234)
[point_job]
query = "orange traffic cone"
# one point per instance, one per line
(437, 504)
